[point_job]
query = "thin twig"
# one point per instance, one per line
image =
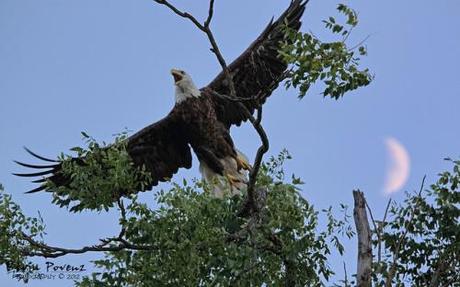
(210, 14)
(382, 226)
(360, 43)
(346, 276)
(180, 13)
(123, 218)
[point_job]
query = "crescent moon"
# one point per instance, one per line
(399, 167)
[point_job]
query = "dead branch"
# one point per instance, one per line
(378, 228)
(363, 274)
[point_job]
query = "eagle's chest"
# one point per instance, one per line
(201, 123)
(199, 114)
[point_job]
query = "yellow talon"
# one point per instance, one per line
(242, 163)
(232, 179)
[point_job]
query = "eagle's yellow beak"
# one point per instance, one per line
(178, 75)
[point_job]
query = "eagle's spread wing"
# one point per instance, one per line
(160, 147)
(257, 71)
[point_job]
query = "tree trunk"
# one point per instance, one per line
(363, 274)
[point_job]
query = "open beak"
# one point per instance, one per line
(177, 75)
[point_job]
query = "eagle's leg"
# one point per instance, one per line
(232, 180)
(242, 161)
(243, 164)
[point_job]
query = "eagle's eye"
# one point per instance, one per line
(182, 72)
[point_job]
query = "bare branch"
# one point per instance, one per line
(180, 13)
(382, 226)
(346, 276)
(378, 228)
(363, 274)
(210, 14)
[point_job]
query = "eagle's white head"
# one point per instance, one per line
(185, 88)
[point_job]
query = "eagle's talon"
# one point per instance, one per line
(232, 180)
(243, 164)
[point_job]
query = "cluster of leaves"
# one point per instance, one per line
(97, 176)
(426, 228)
(196, 239)
(330, 62)
(13, 225)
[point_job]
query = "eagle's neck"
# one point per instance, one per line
(184, 92)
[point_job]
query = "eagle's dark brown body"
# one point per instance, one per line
(209, 137)
(201, 120)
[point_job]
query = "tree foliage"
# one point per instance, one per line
(421, 237)
(198, 240)
(194, 239)
(333, 63)
(13, 224)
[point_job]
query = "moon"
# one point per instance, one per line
(399, 166)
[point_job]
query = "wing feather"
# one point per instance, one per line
(258, 71)
(162, 148)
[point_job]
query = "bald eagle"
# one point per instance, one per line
(200, 119)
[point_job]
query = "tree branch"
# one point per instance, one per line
(119, 243)
(345, 281)
(210, 14)
(48, 251)
(441, 266)
(180, 13)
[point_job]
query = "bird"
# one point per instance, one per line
(201, 118)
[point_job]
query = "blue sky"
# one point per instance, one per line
(101, 66)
